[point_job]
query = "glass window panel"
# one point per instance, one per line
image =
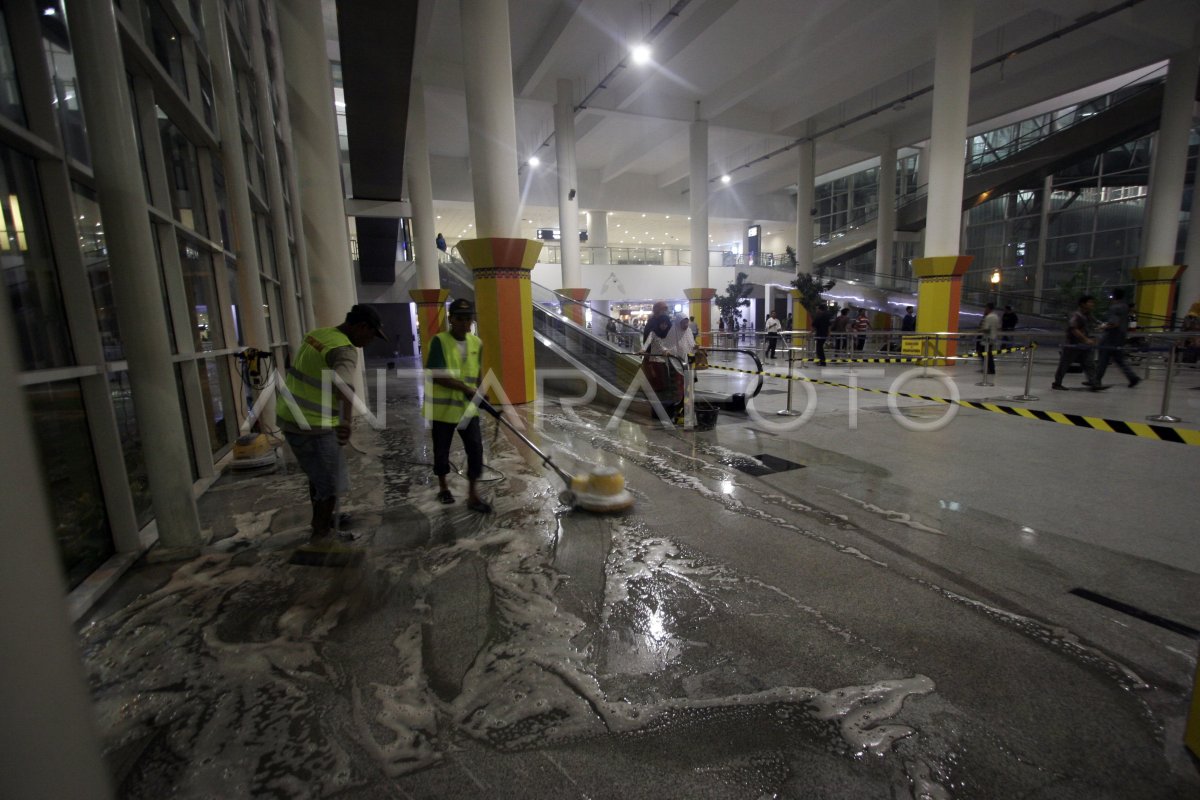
(200, 287)
(216, 392)
(162, 283)
(187, 425)
(137, 132)
(29, 270)
(266, 248)
(61, 63)
(131, 446)
(95, 261)
(164, 42)
(222, 202)
(72, 480)
(206, 98)
(10, 90)
(270, 303)
(187, 202)
(234, 308)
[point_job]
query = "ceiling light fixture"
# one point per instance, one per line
(640, 53)
(534, 161)
(725, 179)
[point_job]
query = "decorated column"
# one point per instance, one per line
(940, 272)
(573, 307)
(701, 303)
(431, 314)
(800, 318)
(1156, 291)
(939, 290)
(504, 311)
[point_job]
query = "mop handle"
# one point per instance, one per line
(483, 403)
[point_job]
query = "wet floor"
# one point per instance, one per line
(816, 631)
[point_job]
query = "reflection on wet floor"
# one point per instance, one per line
(540, 651)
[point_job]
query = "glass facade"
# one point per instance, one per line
(79, 373)
(30, 273)
(61, 64)
(10, 91)
(77, 505)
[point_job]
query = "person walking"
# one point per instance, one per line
(909, 323)
(989, 331)
(821, 322)
(1008, 322)
(1078, 346)
(317, 426)
(441, 242)
(773, 329)
(454, 369)
(1112, 341)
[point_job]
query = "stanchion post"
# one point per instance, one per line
(1164, 415)
(1029, 348)
(787, 409)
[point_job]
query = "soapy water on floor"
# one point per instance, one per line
(240, 676)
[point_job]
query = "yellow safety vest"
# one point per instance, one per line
(443, 404)
(318, 401)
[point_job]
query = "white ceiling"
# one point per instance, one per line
(763, 72)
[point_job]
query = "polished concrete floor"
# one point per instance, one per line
(845, 609)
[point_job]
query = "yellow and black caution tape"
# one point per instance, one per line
(913, 359)
(1161, 433)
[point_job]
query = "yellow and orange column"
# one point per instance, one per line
(573, 307)
(504, 310)
(1156, 291)
(939, 293)
(800, 318)
(431, 314)
(700, 304)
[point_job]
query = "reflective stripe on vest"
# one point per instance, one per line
(317, 400)
(443, 404)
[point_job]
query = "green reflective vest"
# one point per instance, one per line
(442, 403)
(304, 380)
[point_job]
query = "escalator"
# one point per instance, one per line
(611, 358)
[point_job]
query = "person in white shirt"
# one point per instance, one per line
(989, 332)
(773, 328)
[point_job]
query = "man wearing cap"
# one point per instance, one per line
(316, 418)
(454, 367)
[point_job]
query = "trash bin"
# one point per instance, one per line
(706, 415)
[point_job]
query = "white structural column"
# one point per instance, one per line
(491, 116)
(698, 198)
(598, 230)
(951, 93)
(420, 189)
(885, 233)
(48, 730)
(317, 159)
(568, 202)
(293, 326)
(104, 95)
(1170, 160)
(806, 199)
(233, 160)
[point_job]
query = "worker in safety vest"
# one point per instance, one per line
(454, 371)
(316, 412)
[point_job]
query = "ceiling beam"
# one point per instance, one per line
(548, 46)
(653, 136)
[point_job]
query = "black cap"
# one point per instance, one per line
(462, 308)
(366, 315)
